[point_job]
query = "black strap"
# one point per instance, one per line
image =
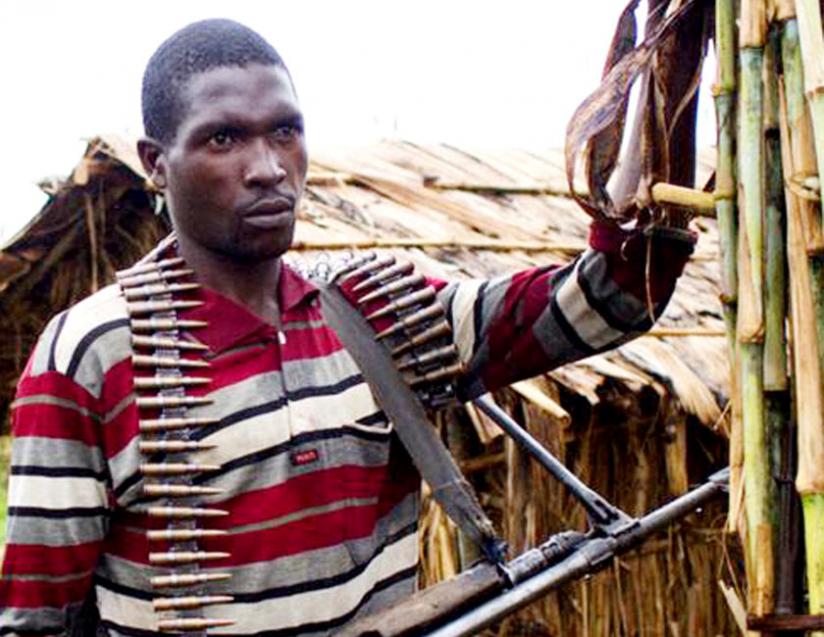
(404, 409)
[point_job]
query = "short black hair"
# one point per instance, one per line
(198, 47)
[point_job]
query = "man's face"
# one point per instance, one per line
(235, 171)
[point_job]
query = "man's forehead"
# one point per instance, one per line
(226, 81)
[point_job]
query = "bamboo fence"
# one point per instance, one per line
(773, 295)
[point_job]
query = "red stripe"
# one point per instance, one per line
(35, 559)
(117, 385)
(56, 384)
(310, 342)
(302, 492)
(53, 421)
(34, 594)
(514, 352)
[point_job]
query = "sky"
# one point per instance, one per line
(477, 73)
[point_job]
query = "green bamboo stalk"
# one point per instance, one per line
(775, 306)
(799, 41)
(751, 156)
(726, 214)
(814, 542)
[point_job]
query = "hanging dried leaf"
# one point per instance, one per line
(604, 147)
(605, 108)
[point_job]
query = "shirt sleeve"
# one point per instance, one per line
(516, 326)
(58, 505)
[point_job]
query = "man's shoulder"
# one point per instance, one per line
(85, 340)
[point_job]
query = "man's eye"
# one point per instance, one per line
(222, 139)
(285, 133)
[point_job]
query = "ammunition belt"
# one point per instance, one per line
(394, 299)
(403, 310)
(153, 293)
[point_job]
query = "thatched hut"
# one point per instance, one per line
(639, 424)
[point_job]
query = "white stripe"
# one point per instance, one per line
(311, 414)
(101, 307)
(463, 317)
(587, 323)
(55, 492)
(284, 612)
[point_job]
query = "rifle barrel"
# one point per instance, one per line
(590, 556)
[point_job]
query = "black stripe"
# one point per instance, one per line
(274, 405)
(88, 340)
(57, 472)
(377, 418)
(326, 582)
(567, 330)
(332, 624)
(265, 454)
(57, 514)
(60, 323)
(604, 309)
(478, 317)
(286, 632)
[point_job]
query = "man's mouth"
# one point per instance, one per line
(270, 212)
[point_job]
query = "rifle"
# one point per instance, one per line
(487, 592)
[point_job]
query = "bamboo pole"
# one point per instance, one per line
(750, 326)
(801, 35)
(725, 208)
(775, 346)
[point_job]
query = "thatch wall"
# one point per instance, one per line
(640, 424)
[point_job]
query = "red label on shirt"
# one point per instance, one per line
(304, 457)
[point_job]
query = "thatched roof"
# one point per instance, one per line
(640, 423)
(458, 213)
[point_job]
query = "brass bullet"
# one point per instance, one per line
(167, 343)
(174, 468)
(369, 267)
(411, 320)
(147, 307)
(436, 375)
(424, 296)
(352, 265)
(399, 269)
(429, 334)
(180, 579)
(178, 513)
(172, 446)
(150, 278)
(190, 624)
(165, 324)
(171, 424)
(165, 382)
(182, 535)
(160, 402)
(411, 281)
(421, 360)
(151, 266)
(186, 557)
(165, 361)
(132, 293)
(183, 603)
(178, 490)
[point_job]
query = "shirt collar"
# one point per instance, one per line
(230, 324)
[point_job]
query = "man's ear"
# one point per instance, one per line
(152, 158)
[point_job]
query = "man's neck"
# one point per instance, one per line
(253, 285)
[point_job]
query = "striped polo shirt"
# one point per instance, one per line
(322, 499)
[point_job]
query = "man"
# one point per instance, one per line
(271, 477)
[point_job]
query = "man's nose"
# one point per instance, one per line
(264, 166)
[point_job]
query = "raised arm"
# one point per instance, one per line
(516, 326)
